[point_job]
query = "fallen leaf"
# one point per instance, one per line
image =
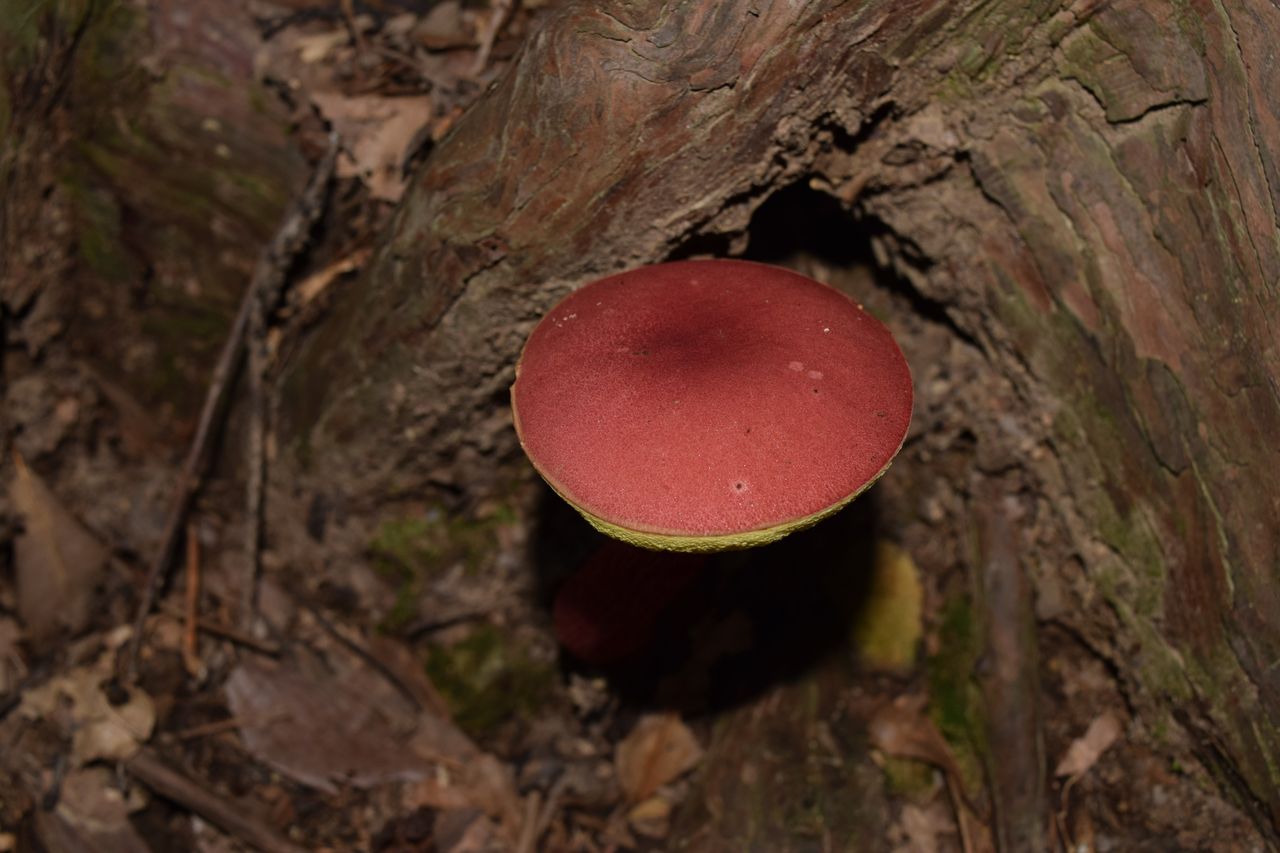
(305, 291)
(377, 135)
(1085, 750)
(444, 27)
(651, 818)
(658, 750)
(133, 421)
(92, 814)
(57, 561)
(899, 728)
(467, 832)
(493, 790)
(314, 47)
(920, 827)
(319, 732)
(12, 667)
(107, 720)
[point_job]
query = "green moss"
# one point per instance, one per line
(887, 628)
(1265, 737)
(973, 61)
(21, 22)
(406, 552)
(423, 542)
(955, 700)
(405, 545)
(488, 678)
(413, 550)
(1160, 730)
(99, 239)
(914, 780)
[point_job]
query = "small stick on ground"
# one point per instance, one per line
(533, 833)
(961, 813)
(529, 823)
(212, 626)
(192, 473)
(191, 634)
(218, 727)
(368, 657)
(268, 286)
(272, 267)
(353, 26)
(230, 817)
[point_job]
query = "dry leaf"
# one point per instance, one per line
(900, 729)
(657, 751)
(305, 291)
(318, 732)
(377, 134)
(317, 46)
(12, 667)
(58, 561)
(492, 783)
(133, 421)
(1085, 750)
(102, 727)
(467, 832)
(92, 814)
(444, 27)
(921, 827)
(651, 818)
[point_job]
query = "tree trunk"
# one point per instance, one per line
(1078, 207)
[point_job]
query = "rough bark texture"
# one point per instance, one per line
(1084, 197)
(143, 142)
(142, 168)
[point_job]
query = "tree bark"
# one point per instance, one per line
(1082, 196)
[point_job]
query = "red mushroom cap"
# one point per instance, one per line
(703, 405)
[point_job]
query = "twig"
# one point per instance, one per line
(421, 627)
(353, 26)
(368, 657)
(192, 472)
(268, 285)
(272, 266)
(529, 823)
(502, 10)
(230, 724)
(961, 813)
(191, 636)
(1061, 816)
(228, 816)
(210, 626)
(531, 835)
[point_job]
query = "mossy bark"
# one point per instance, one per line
(143, 168)
(1087, 194)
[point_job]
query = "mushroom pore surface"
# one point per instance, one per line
(702, 405)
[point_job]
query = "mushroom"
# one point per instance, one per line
(709, 405)
(608, 610)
